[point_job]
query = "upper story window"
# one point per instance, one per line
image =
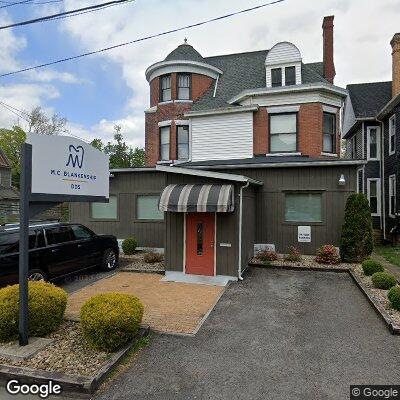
(373, 194)
(183, 142)
(184, 86)
(329, 131)
(165, 88)
(165, 137)
(290, 76)
(373, 143)
(276, 77)
(392, 135)
(283, 133)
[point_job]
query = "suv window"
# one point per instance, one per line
(81, 232)
(60, 234)
(9, 242)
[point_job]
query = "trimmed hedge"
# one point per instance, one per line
(327, 254)
(394, 297)
(356, 242)
(383, 280)
(110, 320)
(46, 304)
(129, 246)
(370, 267)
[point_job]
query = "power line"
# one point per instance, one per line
(18, 113)
(65, 13)
(9, 4)
(61, 60)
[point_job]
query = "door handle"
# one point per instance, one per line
(54, 250)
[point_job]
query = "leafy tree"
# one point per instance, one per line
(356, 243)
(121, 154)
(12, 139)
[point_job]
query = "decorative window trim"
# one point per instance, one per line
(392, 132)
(159, 142)
(378, 194)
(296, 133)
(177, 141)
(160, 100)
(177, 86)
(378, 143)
(323, 153)
(164, 123)
(182, 122)
(328, 109)
(282, 110)
(392, 185)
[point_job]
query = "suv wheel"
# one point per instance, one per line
(109, 261)
(36, 275)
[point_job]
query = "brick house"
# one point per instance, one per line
(372, 129)
(242, 152)
(9, 197)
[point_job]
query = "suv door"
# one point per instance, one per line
(88, 245)
(62, 251)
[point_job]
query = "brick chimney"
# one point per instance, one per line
(395, 43)
(329, 65)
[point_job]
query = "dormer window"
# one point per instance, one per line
(290, 76)
(184, 86)
(276, 77)
(165, 88)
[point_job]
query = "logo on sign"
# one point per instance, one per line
(75, 157)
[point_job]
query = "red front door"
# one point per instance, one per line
(200, 231)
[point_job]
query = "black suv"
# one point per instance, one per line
(55, 249)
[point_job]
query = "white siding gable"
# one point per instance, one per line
(283, 54)
(222, 137)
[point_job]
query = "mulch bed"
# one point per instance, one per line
(378, 296)
(69, 354)
(135, 263)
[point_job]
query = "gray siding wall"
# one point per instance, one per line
(270, 226)
(249, 224)
(5, 175)
(126, 186)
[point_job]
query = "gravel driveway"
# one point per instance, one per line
(277, 335)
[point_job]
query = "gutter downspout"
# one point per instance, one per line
(216, 85)
(240, 229)
(382, 160)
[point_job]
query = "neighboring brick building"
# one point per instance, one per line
(9, 197)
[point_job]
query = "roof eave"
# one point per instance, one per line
(216, 111)
(389, 106)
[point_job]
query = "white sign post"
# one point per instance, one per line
(304, 234)
(54, 169)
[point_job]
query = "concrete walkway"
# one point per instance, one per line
(278, 335)
(392, 269)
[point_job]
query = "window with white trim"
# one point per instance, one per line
(184, 86)
(392, 135)
(183, 142)
(165, 135)
(374, 195)
(373, 143)
(329, 131)
(165, 88)
(283, 133)
(392, 196)
(147, 208)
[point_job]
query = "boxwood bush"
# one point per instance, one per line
(129, 246)
(394, 297)
(46, 304)
(383, 280)
(356, 242)
(370, 267)
(110, 320)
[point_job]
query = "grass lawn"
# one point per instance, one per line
(390, 253)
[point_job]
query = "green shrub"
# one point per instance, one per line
(46, 304)
(267, 255)
(356, 243)
(394, 297)
(152, 257)
(110, 320)
(129, 246)
(370, 267)
(294, 254)
(327, 254)
(383, 280)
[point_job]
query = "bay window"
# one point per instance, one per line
(283, 133)
(329, 133)
(184, 81)
(183, 142)
(165, 134)
(165, 88)
(147, 208)
(303, 207)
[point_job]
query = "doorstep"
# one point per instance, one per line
(218, 280)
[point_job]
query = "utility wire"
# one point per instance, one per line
(61, 60)
(65, 13)
(8, 4)
(18, 113)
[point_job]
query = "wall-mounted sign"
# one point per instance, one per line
(304, 234)
(62, 165)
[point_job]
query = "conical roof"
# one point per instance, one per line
(185, 52)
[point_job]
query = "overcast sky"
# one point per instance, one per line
(97, 92)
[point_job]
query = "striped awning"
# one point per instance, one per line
(197, 198)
